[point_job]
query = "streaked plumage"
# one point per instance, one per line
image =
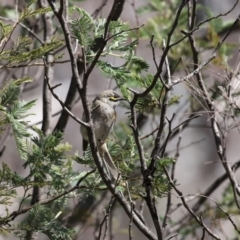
(103, 115)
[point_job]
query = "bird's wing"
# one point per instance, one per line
(85, 142)
(84, 145)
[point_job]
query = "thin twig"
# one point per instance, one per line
(190, 32)
(150, 198)
(14, 214)
(153, 52)
(174, 235)
(202, 200)
(203, 229)
(99, 9)
(212, 112)
(105, 220)
(188, 208)
(25, 27)
(228, 216)
(169, 197)
(67, 36)
(133, 207)
(66, 109)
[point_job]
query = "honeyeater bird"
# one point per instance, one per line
(103, 116)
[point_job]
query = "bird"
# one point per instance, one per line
(103, 116)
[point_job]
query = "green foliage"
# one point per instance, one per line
(21, 53)
(82, 28)
(164, 13)
(152, 100)
(48, 160)
(10, 91)
(85, 29)
(227, 203)
(5, 30)
(15, 57)
(28, 12)
(43, 220)
(161, 23)
(125, 157)
(9, 181)
(130, 73)
(14, 111)
(87, 159)
(46, 157)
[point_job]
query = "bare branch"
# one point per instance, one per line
(188, 208)
(228, 216)
(213, 187)
(25, 27)
(99, 9)
(65, 108)
(105, 219)
(212, 113)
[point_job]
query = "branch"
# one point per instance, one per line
(99, 9)
(63, 22)
(228, 216)
(47, 97)
(105, 219)
(63, 119)
(212, 112)
(169, 197)
(166, 50)
(195, 72)
(150, 198)
(190, 32)
(199, 221)
(65, 108)
(115, 12)
(69, 102)
(213, 187)
(26, 28)
(202, 199)
(14, 214)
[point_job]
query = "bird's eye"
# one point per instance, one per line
(114, 99)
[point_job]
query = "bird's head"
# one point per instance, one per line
(111, 97)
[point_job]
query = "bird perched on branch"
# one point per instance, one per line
(103, 115)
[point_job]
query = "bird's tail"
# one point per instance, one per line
(109, 162)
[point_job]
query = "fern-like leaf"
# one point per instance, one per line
(11, 91)
(15, 116)
(82, 28)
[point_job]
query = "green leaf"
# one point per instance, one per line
(20, 134)
(16, 57)
(19, 109)
(15, 116)
(82, 28)
(26, 13)
(140, 63)
(10, 92)
(174, 100)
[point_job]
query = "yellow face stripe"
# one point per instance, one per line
(113, 98)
